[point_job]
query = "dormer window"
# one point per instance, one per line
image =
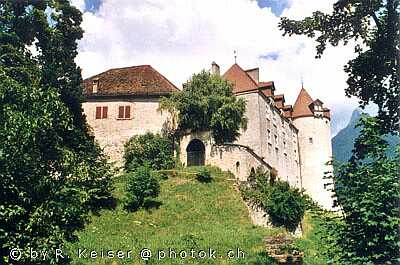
(95, 85)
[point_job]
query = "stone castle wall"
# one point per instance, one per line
(235, 159)
(112, 133)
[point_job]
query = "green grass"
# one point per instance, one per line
(190, 215)
(310, 243)
(187, 215)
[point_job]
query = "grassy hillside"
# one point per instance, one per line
(187, 215)
(190, 215)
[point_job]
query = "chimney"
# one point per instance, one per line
(215, 69)
(254, 74)
(95, 85)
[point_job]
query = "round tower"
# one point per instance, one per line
(315, 148)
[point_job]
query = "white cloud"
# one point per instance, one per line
(180, 38)
(80, 4)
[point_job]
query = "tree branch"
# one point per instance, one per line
(376, 20)
(342, 3)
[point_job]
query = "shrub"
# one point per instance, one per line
(204, 175)
(152, 150)
(285, 205)
(141, 186)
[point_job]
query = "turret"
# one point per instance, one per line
(315, 148)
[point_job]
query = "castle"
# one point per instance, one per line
(294, 141)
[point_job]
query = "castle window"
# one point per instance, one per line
(276, 139)
(269, 135)
(101, 112)
(310, 140)
(124, 112)
(237, 167)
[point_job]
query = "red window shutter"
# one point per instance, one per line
(127, 112)
(98, 112)
(105, 112)
(121, 112)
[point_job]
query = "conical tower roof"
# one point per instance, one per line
(301, 107)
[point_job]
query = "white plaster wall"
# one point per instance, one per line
(313, 157)
(112, 133)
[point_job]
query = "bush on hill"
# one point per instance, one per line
(141, 186)
(285, 205)
(152, 150)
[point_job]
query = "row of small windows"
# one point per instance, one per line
(124, 112)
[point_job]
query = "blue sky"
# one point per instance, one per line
(277, 6)
(92, 5)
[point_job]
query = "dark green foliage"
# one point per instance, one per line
(204, 175)
(152, 150)
(367, 189)
(207, 103)
(285, 205)
(42, 201)
(51, 170)
(373, 76)
(141, 186)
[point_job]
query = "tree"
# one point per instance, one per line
(367, 189)
(53, 28)
(42, 202)
(52, 172)
(208, 103)
(373, 76)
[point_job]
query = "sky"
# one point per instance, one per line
(179, 38)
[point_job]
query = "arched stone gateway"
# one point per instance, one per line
(196, 154)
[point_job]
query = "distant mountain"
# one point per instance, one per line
(343, 142)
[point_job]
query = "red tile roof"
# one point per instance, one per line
(279, 101)
(142, 80)
(266, 84)
(242, 82)
(301, 107)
